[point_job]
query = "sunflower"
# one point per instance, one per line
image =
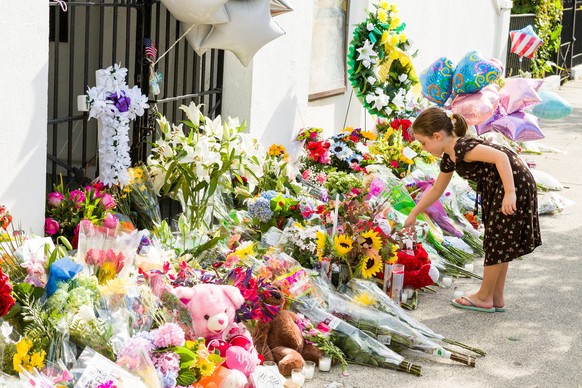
(370, 240)
(321, 238)
(343, 244)
(365, 298)
(371, 265)
(368, 135)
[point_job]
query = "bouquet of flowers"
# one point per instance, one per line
(396, 147)
(274, 209)
(65, 209)
(138, 200)
(177, 361)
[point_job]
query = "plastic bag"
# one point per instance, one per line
(93, 369)
(553, 203)
(545, 181)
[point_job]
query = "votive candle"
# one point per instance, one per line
(325, 364)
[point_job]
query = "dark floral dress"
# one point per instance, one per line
(506, 236)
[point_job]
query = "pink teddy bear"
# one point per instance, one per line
(212, 308)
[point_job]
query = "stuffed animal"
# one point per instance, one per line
(280, 339)
(418, 270)
(223, 378)
(212, 308)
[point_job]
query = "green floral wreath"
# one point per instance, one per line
(379, 66)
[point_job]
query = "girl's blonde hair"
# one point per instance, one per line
(434, 119)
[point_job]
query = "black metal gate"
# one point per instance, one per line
(570, 53)
(96, 34)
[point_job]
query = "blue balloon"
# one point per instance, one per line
(437, 79)
(552, 107)
(474, 72)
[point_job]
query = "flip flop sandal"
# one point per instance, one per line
(499, 309)
(472, 306)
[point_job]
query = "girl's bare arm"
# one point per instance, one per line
(430, 196)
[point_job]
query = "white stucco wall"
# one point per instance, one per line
(271, 93)
(23, 110)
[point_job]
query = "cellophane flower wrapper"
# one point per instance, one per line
(7, 381)
(357, 346)
(93, 369)
(106, 252)
(139, 363)
(52, 375)
(145, 209)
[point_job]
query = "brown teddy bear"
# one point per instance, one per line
(280, 340)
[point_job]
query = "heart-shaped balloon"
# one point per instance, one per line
(519, 93)
(476, 108)
(552, 107)
(473, 73)
(437, 79)
(219, 345)
(239, 359)
(519, 126)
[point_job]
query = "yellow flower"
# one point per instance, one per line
(403, 38)
(23, 346)
(368, 135)
(16, 362)
(385, 37)
(37, 359)
(383, 4)
(371, 265)
(320, 238)
(206, 367)
(348, 129)
(343, 244)
(245, 251)
(406, 160)
(365, 298)
(370, 240)
(115, 286)
(394, 40)
(107, 272)
(382, 15)
(190, 344)
(395, 22)
(388, 133)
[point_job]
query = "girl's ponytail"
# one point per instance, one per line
(459, 125)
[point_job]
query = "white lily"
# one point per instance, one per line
(193, 113)
(367, 53)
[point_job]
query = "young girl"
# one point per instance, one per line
(508, 198)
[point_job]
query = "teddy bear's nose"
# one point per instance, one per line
(221, 321)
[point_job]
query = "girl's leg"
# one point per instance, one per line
(498, 299)
(484, 297)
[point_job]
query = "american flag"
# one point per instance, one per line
(524, 42)
(150, 49)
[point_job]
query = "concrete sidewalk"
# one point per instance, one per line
(538, 341)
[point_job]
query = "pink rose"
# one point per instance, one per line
(306, 174)
(77, 196)
(110, 221)
(51, 226)
(55, 198)
(108, 201)
(94, 256)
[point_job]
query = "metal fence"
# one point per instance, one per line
(570, 53)
(94, 35)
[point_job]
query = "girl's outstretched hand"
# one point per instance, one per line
(410, 220)
(509, 204)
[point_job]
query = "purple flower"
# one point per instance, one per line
(168, 335)
(77, 196)
(166, 362)
(121, 101)
(51, 226)
(110, 221)
(108, 201)
(55, 198)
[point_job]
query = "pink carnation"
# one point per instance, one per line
(77, 196)
(108, 201)
(55, 198)
(168, 335)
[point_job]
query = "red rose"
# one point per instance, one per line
(6, 299)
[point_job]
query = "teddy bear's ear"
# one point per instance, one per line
(185, 294)
(233, 294)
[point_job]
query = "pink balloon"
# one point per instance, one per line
(519, 93)
(519, 126)
(477, 107)
(498, 63)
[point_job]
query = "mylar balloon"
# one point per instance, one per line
(198, 11)
(519, 93)
(437, 79)
(196, 36)
(487, 126)
(519, 126)
(250, 28)
(476, 108)
(524, 42)
(279, 7)
(473, 73)
(552, 106)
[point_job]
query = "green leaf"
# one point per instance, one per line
(186, 377)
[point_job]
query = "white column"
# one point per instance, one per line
(23, 110)
(500, 47)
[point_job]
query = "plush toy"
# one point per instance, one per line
(418, 270)
(280, 339)
(212, 308)
(223, 378)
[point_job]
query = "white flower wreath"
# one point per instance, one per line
(115, 104)
(379, 66)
